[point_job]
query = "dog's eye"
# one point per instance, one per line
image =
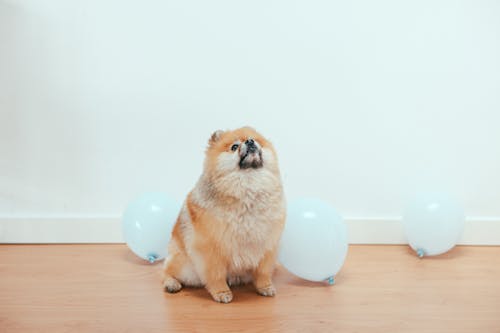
(234, 147)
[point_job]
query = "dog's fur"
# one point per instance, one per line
(229, 227)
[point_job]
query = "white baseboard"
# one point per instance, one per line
(107, 229)
(61, 229)
(477, 231)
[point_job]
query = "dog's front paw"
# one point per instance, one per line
(171, 285)
(268, 290)
(223, 296)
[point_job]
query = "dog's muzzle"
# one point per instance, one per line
(250, 155)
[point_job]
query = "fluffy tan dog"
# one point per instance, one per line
(229, 227)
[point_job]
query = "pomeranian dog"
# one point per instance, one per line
(230, 224)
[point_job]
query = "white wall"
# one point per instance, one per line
(366, 101)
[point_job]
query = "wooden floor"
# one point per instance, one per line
(93, 288)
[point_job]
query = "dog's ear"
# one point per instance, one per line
(215, 137)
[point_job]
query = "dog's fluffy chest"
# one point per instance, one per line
(249, 231)
(247, 215)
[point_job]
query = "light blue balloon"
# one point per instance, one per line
(314, 241)
(433, 223)
(147, 224)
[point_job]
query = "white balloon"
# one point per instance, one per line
(314, 242)
(147, 224)
(433, 223)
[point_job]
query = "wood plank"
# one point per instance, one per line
(93, 288)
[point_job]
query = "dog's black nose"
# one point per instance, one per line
(251, 145)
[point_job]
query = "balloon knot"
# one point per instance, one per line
(331, 280)
(152, 258)
(420, 253)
